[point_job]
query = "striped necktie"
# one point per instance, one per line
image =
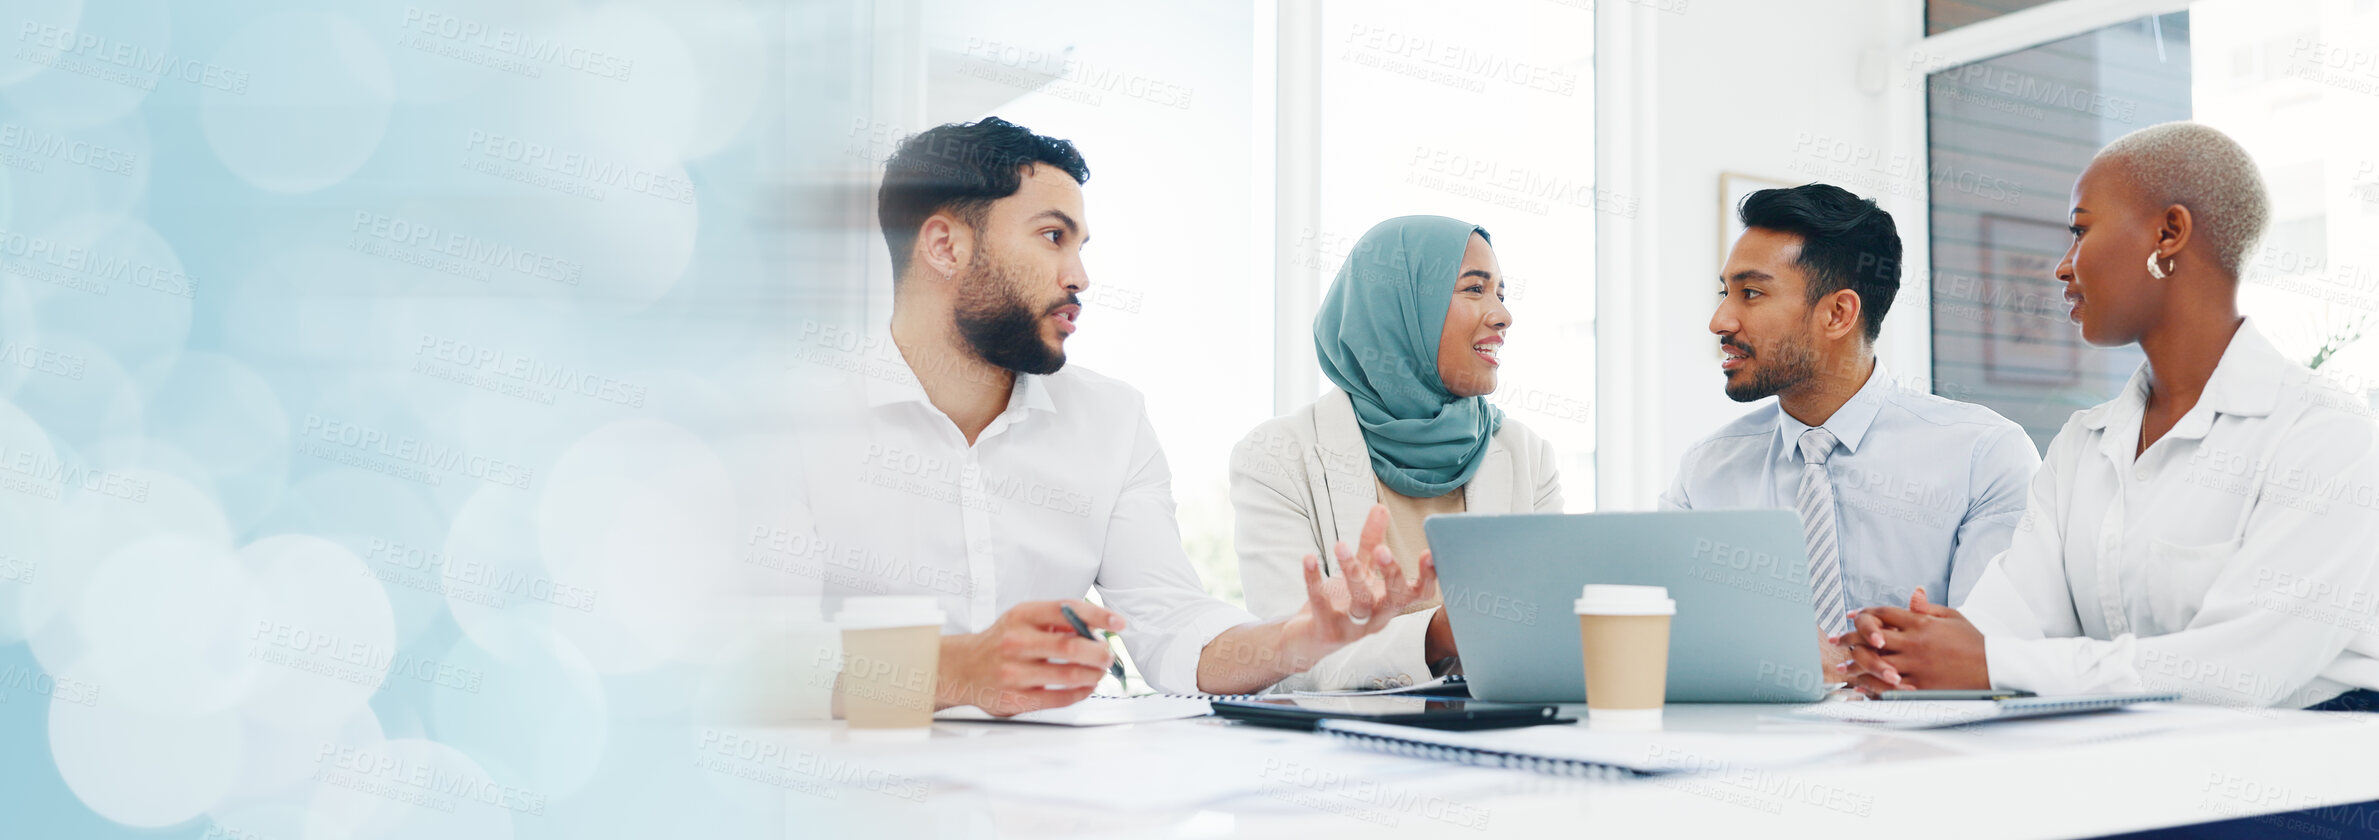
(1815, 501)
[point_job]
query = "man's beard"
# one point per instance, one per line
(999, 325)
(1787, 364)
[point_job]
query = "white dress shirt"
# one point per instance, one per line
(2233, 561)
(1926, 489)
(1302, 483)
(1065, 491)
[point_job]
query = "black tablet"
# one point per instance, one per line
(1307, 712)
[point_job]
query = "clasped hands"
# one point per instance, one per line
(1926, 646)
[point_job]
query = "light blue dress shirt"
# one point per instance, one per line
(1927, 490)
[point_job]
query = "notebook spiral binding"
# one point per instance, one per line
(1486, 758)
(1181, 696)
(2053, 705)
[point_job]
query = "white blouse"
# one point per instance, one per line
(2236, 561)
(1302, 482)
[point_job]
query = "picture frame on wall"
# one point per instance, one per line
(2026, 337)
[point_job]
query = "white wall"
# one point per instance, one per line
(1748, 86)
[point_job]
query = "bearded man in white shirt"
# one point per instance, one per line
(2214, 529)
(1899, 491)
(970, 463)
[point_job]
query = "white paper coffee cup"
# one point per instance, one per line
(1623, 634)
(891, 652)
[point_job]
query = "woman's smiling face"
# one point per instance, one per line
(2105, 269)
(1469, 344)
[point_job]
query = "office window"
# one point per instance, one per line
(1945, 15)
(1485, 116)
(1161, 100)
(2293, 83)
(2007, 136)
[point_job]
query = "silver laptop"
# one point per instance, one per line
(1745, 630)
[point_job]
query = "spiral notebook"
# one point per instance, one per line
(1103, 710)
(1581, 752)
(1937, 714)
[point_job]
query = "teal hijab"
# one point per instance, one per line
(1377, 334)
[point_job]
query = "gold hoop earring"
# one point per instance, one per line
(2160, 272)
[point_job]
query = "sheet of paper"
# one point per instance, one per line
(1416, 688)
(1164, 766)
(1094, 711)
(1652, 752)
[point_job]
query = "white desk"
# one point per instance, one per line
(2041, 778)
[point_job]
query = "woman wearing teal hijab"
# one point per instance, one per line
(1409, 334)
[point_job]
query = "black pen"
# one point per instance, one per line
(1113, 666)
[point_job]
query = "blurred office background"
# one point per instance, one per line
(382, 387)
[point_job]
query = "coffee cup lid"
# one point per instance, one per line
(878, 611)
(1613, 599)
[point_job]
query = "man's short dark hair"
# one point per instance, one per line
(1846, 242)
(961, 168)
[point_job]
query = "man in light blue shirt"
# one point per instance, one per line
(1897, 489)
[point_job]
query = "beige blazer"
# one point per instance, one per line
(1302, 482)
